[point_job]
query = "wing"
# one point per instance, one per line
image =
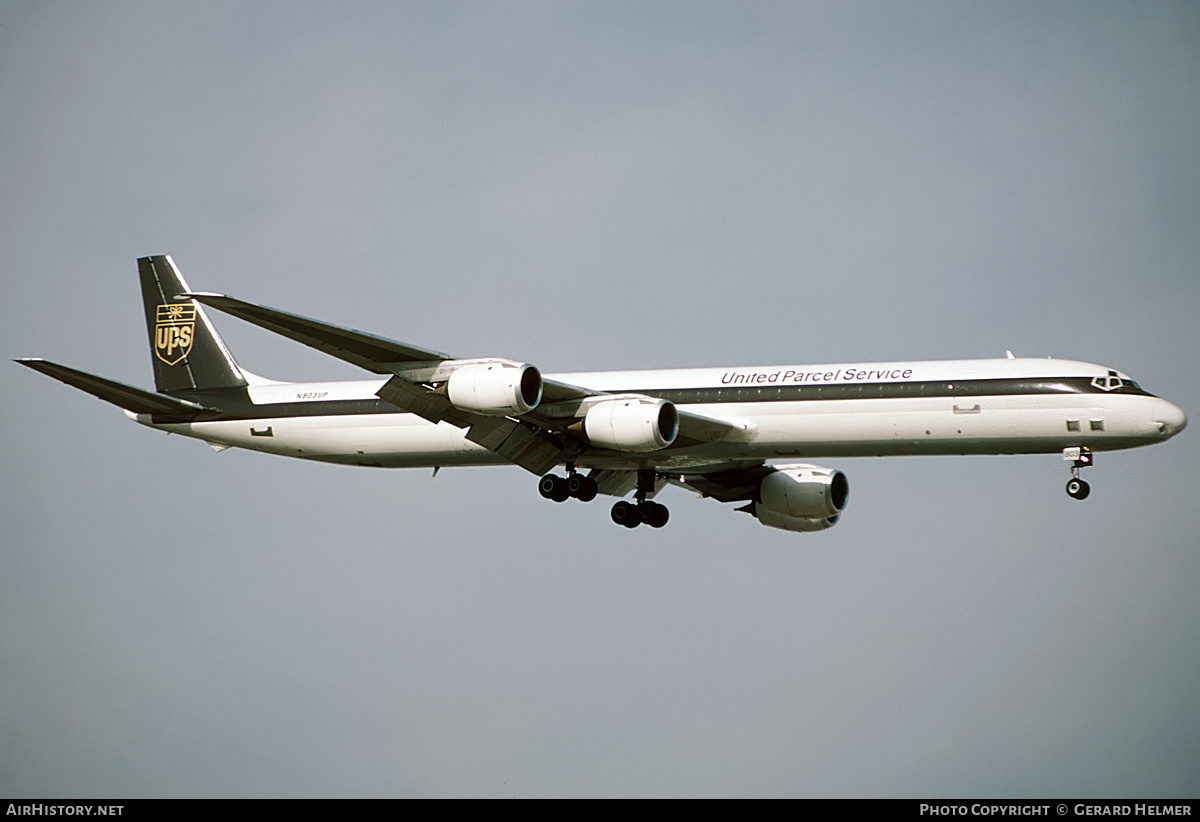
(731, 482)
(537, 439)
(358, 347)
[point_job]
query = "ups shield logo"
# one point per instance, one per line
(173, 329)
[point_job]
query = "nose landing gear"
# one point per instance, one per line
(1079, 457)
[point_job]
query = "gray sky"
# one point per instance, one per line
(597, 186)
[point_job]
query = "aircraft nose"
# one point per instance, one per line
(1170, 418)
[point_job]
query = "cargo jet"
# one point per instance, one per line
(739, 435)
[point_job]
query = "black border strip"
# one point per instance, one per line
(235, 404)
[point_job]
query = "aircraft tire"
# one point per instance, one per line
(582, 488)
(654, 514)
(1078, 489)
(627, 514)
(553, 487)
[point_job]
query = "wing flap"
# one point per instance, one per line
(617, 482)
(424, 402)
(530, 446)
(520, 443)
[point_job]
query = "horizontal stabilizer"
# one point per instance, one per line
(358, 347)
(133, 399)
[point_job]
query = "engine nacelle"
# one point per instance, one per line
(634, 424)
(495, 388)
(802, 498)
(773, 520)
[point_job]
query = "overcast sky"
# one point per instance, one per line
(597, 186)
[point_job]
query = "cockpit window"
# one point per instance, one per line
(1110, 383)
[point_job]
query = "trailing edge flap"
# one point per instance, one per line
(619, 482)
(124, 396)
(521, 443)
(358, 347)
(431, 405)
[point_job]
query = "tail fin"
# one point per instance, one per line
(185, 349)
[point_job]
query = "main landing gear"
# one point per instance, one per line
(632, 515)
(585, 489)
(575, 485)
(1080, 457)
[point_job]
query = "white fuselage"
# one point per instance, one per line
(1005, 406)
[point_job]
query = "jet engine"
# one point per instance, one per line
(636, 424)
(802, 498)
(497, 389)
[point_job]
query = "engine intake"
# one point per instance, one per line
(496, 389)
(802, 498)
(636, 424)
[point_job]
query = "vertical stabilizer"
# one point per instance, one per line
(186, 350)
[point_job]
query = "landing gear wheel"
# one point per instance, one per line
(627, 514)
(553, 487)
(1080, 456)
(1077, 488)
(582, 488)
(654, 514)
